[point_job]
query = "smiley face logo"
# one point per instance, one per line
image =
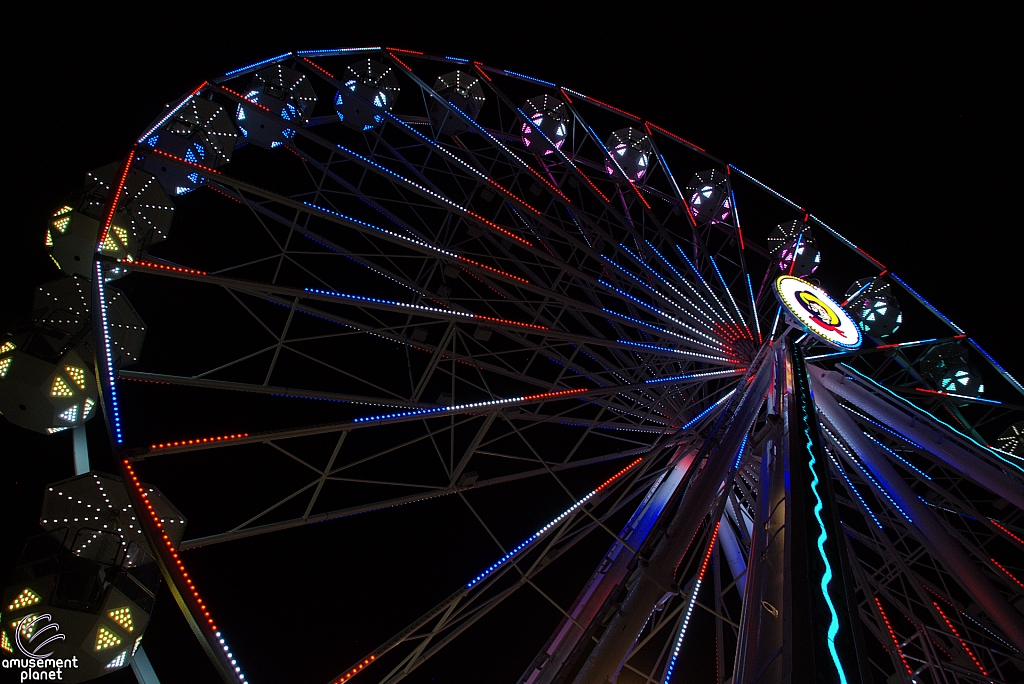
(817, 312)
(821, 313)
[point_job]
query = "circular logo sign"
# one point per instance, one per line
(818, 312)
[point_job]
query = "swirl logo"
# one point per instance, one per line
(31, 629)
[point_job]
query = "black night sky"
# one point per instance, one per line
(897, 131)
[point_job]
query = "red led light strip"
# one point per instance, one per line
(317, 67)
(404, 65)
(207, 169)
(873, 259)
(112, 200)
(355, 670)
(409, 52)
(496, 227)
(962, 642)
(149, 264)
(245, 99)
(1007, 572)
(204, 440)
(554, 394)
(480, 280)
(505, 320)
(676, 137)
(895, 641)
(594, 100)
(233, 199)
(617, 475)
(591, 183)
(1018, 539)
(482, 72)
(513, 196)
(212, 626)
(637, 191)
(493, 270)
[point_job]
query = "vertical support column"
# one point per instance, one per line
(822, 586)
(142, 668)
(798, 622)
(81, 450)
(700, 491)
(761, 625)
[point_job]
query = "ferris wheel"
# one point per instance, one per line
(336, 285)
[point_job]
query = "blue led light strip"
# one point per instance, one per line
(706, 287)
(1002, 371)
(901, 459)
(679, 193)
(940, 422)
(689, 607)
(867, 474)
(439, 148)
(474, 405)
(754, 180)
(166, 117)
(689, 376)
(256, 65)
(539, 533)
(669, 332)
(753, 308)
(706, 411)
(109, 362)
(853, 489)
(833, 627)
(437, 195)
(884, 427)
(418, 243)
(670, 285)
(926, 303)
(775, 325)
(483, 131)
(529, 78)
(670, 350)
(728, 291)
(334, 51)
(857, 293)
(648, 306)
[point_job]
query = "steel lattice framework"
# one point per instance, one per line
(467, 296)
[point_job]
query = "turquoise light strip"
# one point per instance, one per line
(833, 627)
